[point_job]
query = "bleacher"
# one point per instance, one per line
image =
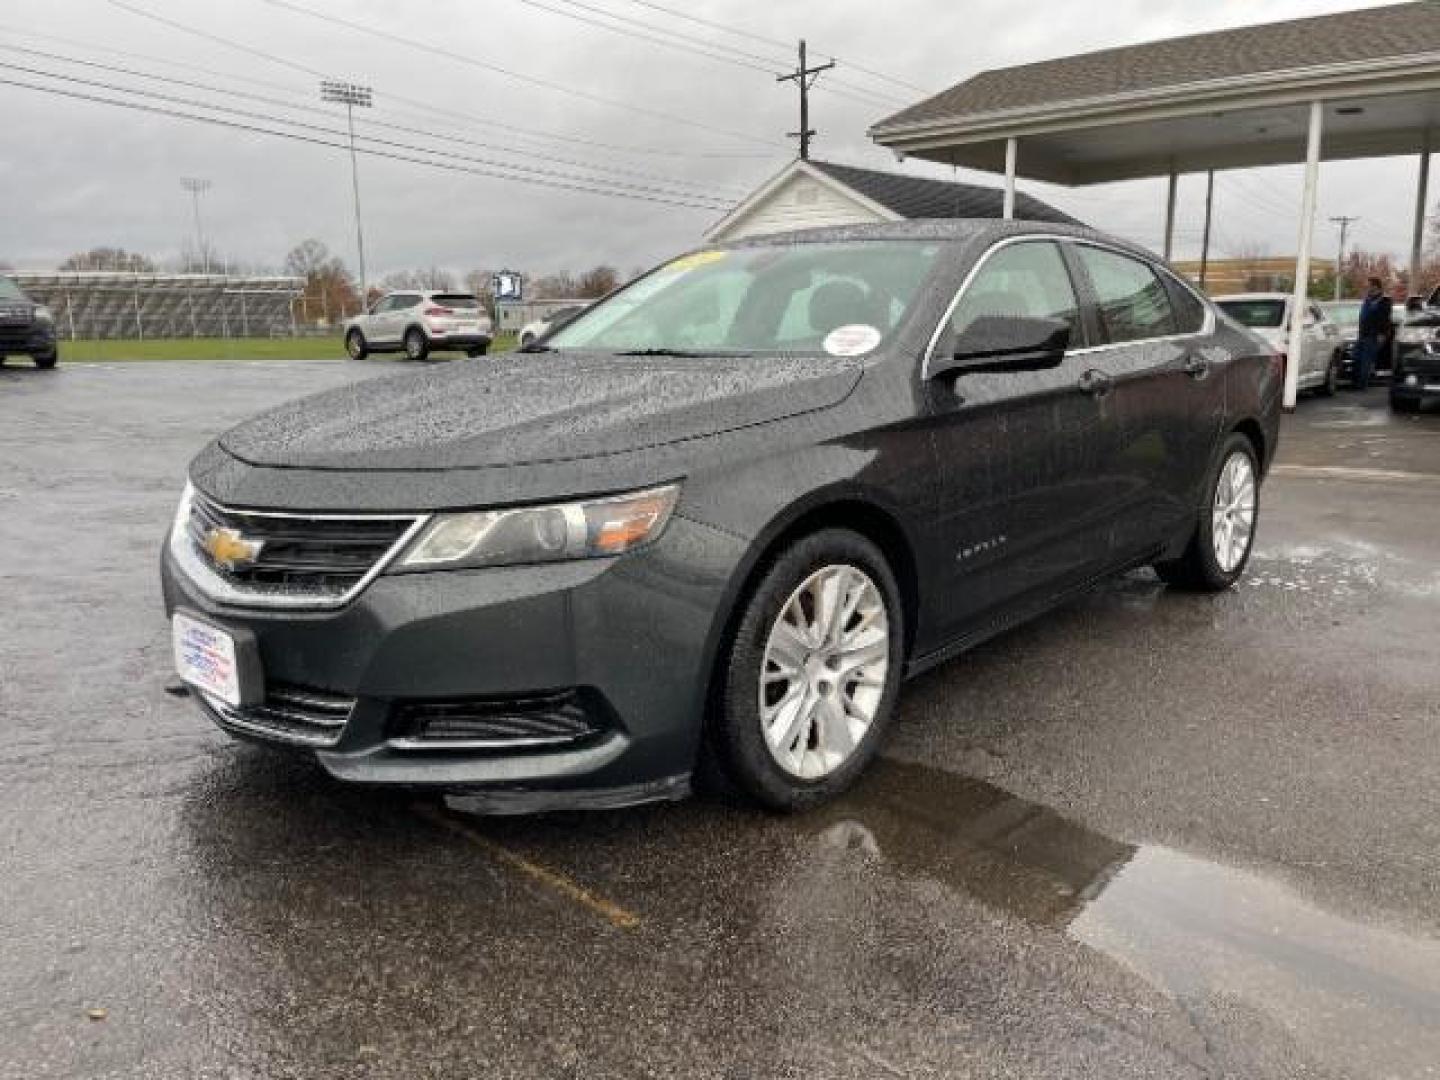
(104, 304)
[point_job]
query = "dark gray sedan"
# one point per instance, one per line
(717, 519)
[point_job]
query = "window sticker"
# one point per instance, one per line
(853, 339)
(695, 259)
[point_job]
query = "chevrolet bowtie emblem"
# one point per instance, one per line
(229, 550)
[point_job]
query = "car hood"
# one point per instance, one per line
(534, 407)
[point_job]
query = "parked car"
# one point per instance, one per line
(26, 328)
(1417, 378)
(557, 317)
(1345, 314)
(1268, 316)
(743, 498)
(419, 323)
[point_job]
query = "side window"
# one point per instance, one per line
(381, 306)
(1024, 280)
(1133, 304)
(1189, 308)
(404, 303)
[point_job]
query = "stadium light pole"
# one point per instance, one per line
(350, 95)
(196, 186)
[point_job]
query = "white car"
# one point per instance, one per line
(540, 327)
(1267, 315)
(419, 322)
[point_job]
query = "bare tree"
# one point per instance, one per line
(432, 277)
(330, 291)
(109, 258)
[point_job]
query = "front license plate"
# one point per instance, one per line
(205, 657)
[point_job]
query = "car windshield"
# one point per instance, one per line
(843, 299)
(1344, 314)
(1261, 314)
(9, 290)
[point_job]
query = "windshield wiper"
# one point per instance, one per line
(684, 354)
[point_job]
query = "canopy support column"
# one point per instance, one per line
(1170, 216)
(1010, 148)
(1417, 240)
(1302, 258)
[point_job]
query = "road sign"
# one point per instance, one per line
(507, 285)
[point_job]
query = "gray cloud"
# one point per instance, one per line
(91, 174)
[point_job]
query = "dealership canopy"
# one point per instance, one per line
(1356, 84)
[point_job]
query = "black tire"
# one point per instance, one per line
(526, 339)
(355, 345)
(46, 361)
(734, 733)
(1332, 378)
(1199, 569)
(1403, 405)
(417, 345)
(478, 350)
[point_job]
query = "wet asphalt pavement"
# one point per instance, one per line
(1150, 835)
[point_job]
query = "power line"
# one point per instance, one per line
(753, 61)
(852, 66)
(497, 170)
(681, 187)
(430, 109)
(534, 80)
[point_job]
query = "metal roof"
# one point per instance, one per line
(1220, 100)
(914, 197)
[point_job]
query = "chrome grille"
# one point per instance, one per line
(319, 560)
(289, 714)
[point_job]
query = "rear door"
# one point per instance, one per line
(1156, 368)
(1017, 452)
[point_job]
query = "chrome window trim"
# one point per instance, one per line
(1207, 326)
(182, 550)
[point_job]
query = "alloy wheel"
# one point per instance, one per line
(823, 675)
(1232, 518)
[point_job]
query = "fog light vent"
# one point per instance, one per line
(493, 723)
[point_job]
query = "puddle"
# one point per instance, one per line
(1217, 938)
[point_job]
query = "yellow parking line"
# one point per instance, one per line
(551, 879)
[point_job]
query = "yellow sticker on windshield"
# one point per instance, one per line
(695, 259)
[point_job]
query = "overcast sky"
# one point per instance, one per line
(583, 106)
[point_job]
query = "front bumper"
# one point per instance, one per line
(36, 338)
(632, 639)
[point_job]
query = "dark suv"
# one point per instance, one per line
(719, 516)
(26, 328)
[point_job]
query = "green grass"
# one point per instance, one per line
(201, 349)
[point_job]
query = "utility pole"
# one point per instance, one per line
(350, 95)
(196, 185)
(1205, 241)
(1344, 223)
(804, 77)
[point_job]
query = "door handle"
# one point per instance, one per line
(1096, 383)
(1197, 367)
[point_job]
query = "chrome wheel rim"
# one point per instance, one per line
(823, 676)
(412, 346)
(353, 344)
(1232, 519)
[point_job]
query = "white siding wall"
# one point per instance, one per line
(799, 203)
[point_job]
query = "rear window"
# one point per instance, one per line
(1262, 314)
(463, 301)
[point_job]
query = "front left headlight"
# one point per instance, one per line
(586, 529)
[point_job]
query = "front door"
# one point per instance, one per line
(1024, 491)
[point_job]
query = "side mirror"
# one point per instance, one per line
(996, 343)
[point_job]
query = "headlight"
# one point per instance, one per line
(591, 528)
(1411, 335)
(44, 314)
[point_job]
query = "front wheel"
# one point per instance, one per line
(1225, 532)
(355, 346)
(46, 361)
(812, 672)
(1403, 405)
(417, 345)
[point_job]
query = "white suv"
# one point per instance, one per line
(418, 322)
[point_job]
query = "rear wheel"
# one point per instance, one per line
(812, 672)
(526, 339)
(46, 361)
(355, 346)
(478, 350)
(417, 345)
(1225, 531)
(1332, 377)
